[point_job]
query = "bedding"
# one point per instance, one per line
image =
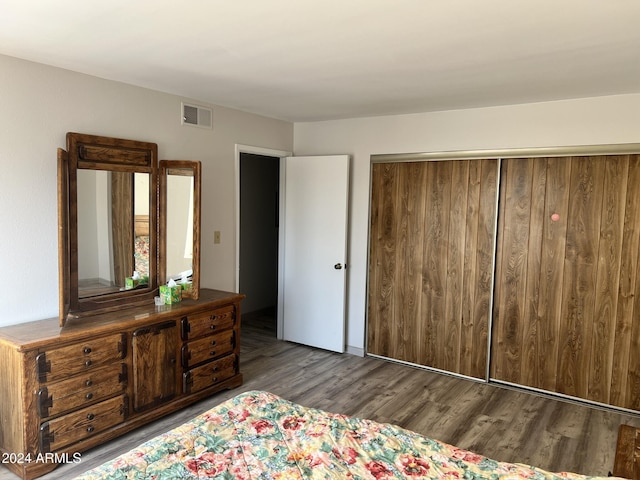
(141, 255)
(258, 435)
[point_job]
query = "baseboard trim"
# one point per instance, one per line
(359, 352)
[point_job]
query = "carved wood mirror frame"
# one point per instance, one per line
(133, 241)
(180, 170)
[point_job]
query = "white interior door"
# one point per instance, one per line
(314, 250)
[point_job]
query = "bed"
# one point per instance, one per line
(258, 435)
(141, 245)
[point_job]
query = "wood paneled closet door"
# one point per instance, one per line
(567, 295)
(431, 263)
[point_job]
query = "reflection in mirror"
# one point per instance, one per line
(113, 236)
(108, 222)
(180, 224)
(179, 218)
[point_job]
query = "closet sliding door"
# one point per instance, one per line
(567, 294)
(431, 263)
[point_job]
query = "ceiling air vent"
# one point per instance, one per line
(197, 116)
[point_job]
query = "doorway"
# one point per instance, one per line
(258, 239)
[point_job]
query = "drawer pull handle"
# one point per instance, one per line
(213, 342)
(91, 416)
(86, 350)
(87, 363)
(215, 379)
(89, 396)
(215, 369)
(212, 353)
(90, 429)
(213, 327)
(88, 383)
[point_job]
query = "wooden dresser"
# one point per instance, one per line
(65, 390)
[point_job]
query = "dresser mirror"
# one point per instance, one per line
(180, 190)
(113, 230)
(114, 250)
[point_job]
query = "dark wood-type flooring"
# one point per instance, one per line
(502, 423)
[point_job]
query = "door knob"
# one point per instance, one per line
(338, 266)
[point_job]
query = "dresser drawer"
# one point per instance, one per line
(83, 389)
(66, 361)
(198, 351)
(73, 427)
(209, 374)
(201, 324)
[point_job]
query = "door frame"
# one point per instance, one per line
(281, 154)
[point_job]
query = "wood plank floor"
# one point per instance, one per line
(501, 423)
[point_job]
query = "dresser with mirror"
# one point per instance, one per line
(115, 358)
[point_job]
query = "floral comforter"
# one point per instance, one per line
(257, 435)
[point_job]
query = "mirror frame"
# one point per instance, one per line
(63, 234)
(101, 153)
(193, 169)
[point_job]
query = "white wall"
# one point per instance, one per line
(39, 105)
(591, 121)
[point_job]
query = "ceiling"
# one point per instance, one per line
(309, 60)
